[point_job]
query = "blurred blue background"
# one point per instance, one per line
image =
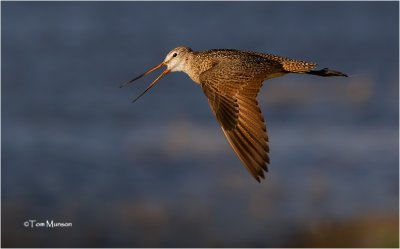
(159, 173)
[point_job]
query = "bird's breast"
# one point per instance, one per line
(194, 75)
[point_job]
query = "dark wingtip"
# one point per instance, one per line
(260, 176)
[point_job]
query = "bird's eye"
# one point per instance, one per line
(174, 55)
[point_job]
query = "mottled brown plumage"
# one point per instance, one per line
(231, 80)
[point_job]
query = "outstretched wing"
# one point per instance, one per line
(231, 93)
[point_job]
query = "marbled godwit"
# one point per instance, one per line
(231, 80)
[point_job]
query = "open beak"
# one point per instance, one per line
(146, 73)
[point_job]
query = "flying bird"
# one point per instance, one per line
(231, 80)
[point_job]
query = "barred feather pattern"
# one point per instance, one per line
(233, 101)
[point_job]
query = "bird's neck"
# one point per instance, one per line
(195, 65)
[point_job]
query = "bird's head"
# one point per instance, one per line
(174, 61)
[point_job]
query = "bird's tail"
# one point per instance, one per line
(326, 72)
(298, 66)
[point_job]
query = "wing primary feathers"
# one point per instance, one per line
(233, 102)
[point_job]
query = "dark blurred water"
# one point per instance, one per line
(159, 172)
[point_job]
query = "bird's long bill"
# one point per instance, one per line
(143, 74)
(153, 83)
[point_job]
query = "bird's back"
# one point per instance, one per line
(272, 64)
